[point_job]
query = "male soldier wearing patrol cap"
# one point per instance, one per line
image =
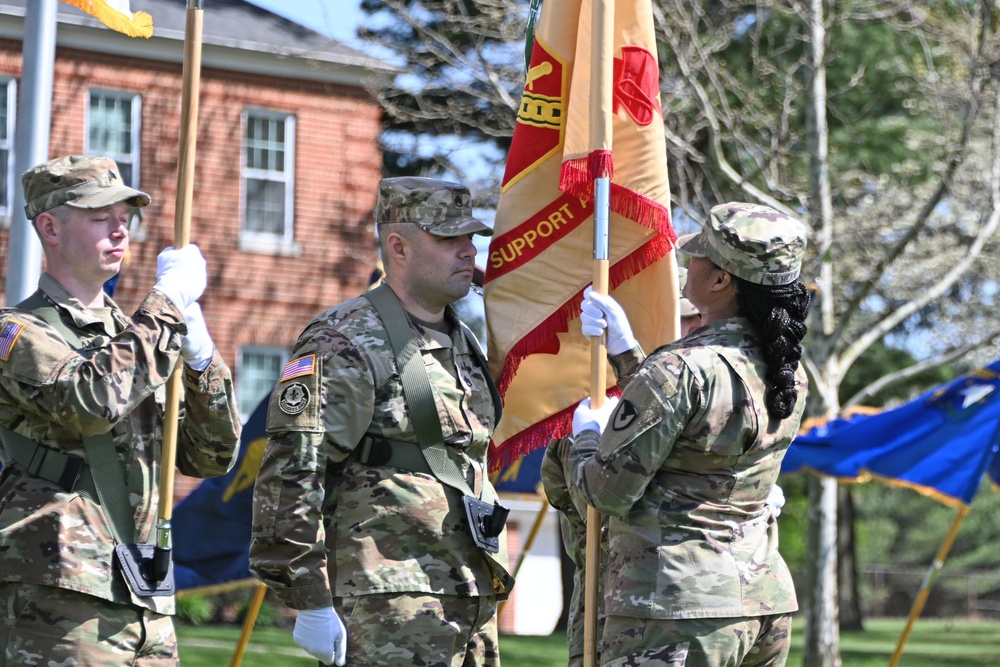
(77, 374)
(686, 460)
(372, 509)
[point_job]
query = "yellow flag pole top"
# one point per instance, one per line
(117, 15)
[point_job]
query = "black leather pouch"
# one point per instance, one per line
(136, 563)
(486, 522)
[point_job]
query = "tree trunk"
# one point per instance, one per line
(822, 639)
(847, 562)
(822, 633)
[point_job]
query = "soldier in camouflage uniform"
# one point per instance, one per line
(688, 457)
(340, 533)
(63, 599)
(571, 505)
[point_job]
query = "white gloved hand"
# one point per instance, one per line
(587, 419)
(181, 275)
(197, 347)
(775, 500)
(600, 312)
(321, 634)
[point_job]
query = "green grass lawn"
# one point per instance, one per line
(933, 643)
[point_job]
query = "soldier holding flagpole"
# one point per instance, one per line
(81, 422)
(684, 464)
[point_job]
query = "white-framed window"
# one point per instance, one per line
(268, 173)
(113, 130)
(259, 369)
(8, 111)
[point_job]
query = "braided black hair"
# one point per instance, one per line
(778, 313)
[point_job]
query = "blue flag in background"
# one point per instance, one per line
(940, 444)
(211, 527)
(522, 476)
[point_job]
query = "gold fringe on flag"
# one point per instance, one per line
(117, 15)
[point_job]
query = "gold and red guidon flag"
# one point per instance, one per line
(117, 15)
(540, 255)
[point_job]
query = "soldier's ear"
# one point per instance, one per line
(49, 227)
(398, 248)
(721, 280)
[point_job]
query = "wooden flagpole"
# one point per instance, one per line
(182, 236)
(598, 383)
(602, 76)
(925, 587)
(249, 620)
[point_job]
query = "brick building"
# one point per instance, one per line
(286, 175)
(286, 171)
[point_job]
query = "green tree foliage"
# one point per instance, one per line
(463, 72)
(904, 530)
(879, 361)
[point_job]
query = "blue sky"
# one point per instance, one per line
(336, 18)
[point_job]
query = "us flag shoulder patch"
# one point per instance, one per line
(298, 367)
(8, 336)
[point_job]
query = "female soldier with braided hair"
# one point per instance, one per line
(684, 463)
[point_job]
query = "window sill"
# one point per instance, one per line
(266, 246)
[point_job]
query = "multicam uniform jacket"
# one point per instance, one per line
(684, 469)
(325, 524)
(56, 395)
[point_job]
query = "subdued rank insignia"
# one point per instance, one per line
(294, 398)
(298, 367)
(624, 416)
(8, 336)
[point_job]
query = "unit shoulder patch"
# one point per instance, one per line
(295, 406)
(644, 404)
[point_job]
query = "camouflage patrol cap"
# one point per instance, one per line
(686, 307)
(439, 207)
(750, 241)
(81, 181)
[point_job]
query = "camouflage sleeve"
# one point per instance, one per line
(612, 470)
(92, 389)
(572, 523)
(287, 547)
(314, 421)
(626, 365)
(559, 493)
(209, 437)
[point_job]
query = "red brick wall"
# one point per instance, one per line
(252, 299)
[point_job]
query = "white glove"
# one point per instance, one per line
(181, 275)
(587, 419)
(600, 312)
(775, 500)
(197, 347)
(321, 634)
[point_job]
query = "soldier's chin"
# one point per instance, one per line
(460, 289)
